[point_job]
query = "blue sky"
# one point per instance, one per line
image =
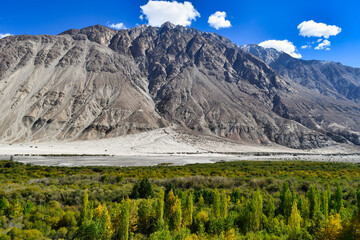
(251, 21)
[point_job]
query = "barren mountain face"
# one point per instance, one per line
(328, 78)
(97, 82)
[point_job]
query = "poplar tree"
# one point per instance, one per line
(86, 211)
(101, 215)
(270, 208)
(124, 216)
(188, 209)
(160, 209)
(201, 203)
(313, 196)
(304, 207)
(255, 210)
(223, 204)
(285, 200)
(325, 203)
(146, 222)
(169, 203)
(338, 198)
(216, 204)
(294, 219)
(288, 199)
(177, 218)
(173, 211)
(358, 199)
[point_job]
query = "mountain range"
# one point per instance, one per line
(97, 82)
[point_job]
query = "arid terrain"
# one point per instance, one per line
(166, 146)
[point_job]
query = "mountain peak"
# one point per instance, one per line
(168, 24)
(268, 55)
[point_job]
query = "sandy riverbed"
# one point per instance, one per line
(162, 146)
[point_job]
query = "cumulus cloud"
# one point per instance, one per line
(281, 45)
(159, 12)
(314, 29)
(117, 26)
(323, 45)
(217, 20)
(2, 35)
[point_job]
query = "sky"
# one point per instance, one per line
(316, 29)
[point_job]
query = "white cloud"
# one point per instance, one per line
(323, 45)
(141, 17)
(159, 12)
(2, 35)
(281, 45)
(314, 29)
(117, 26)
(305, 47)
(217, 20)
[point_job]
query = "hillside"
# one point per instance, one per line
(97, 82)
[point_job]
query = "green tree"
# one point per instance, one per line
(188, 208)
(4, 206)
(28, 208)
(288, 199)
(68, 220)
(223, 204)
(201, 203)
(124, 216)
(103, 219)
(216, 204)
(255, 211)
(16, 208)
(358, 199)
(314, 201)
(173, 211)
(325, 203)
(285, 188)
(142, 189)
(177, 216)
(270, 208)
(86, 213)
(160, 209)
(295, 218)
(147, 217)
(304, 207)
(29, 234)
(338, 198)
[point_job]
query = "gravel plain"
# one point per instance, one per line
(163, 147)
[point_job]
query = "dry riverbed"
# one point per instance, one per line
(163, 147)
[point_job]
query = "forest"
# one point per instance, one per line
(226, 200)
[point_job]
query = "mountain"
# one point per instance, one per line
(326, 77)
(97, 82)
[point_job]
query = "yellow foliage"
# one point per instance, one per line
(202, 216)
(99, 210)
(192, 237)
(230, 235)
(332, 228)
(102, 213)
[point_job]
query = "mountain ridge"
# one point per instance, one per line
(330, 78)
(98, 82)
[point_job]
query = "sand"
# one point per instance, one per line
(163, 146)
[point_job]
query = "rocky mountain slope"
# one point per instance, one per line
(326, 77)
(97, 82)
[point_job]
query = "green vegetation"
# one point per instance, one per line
(229, 200)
